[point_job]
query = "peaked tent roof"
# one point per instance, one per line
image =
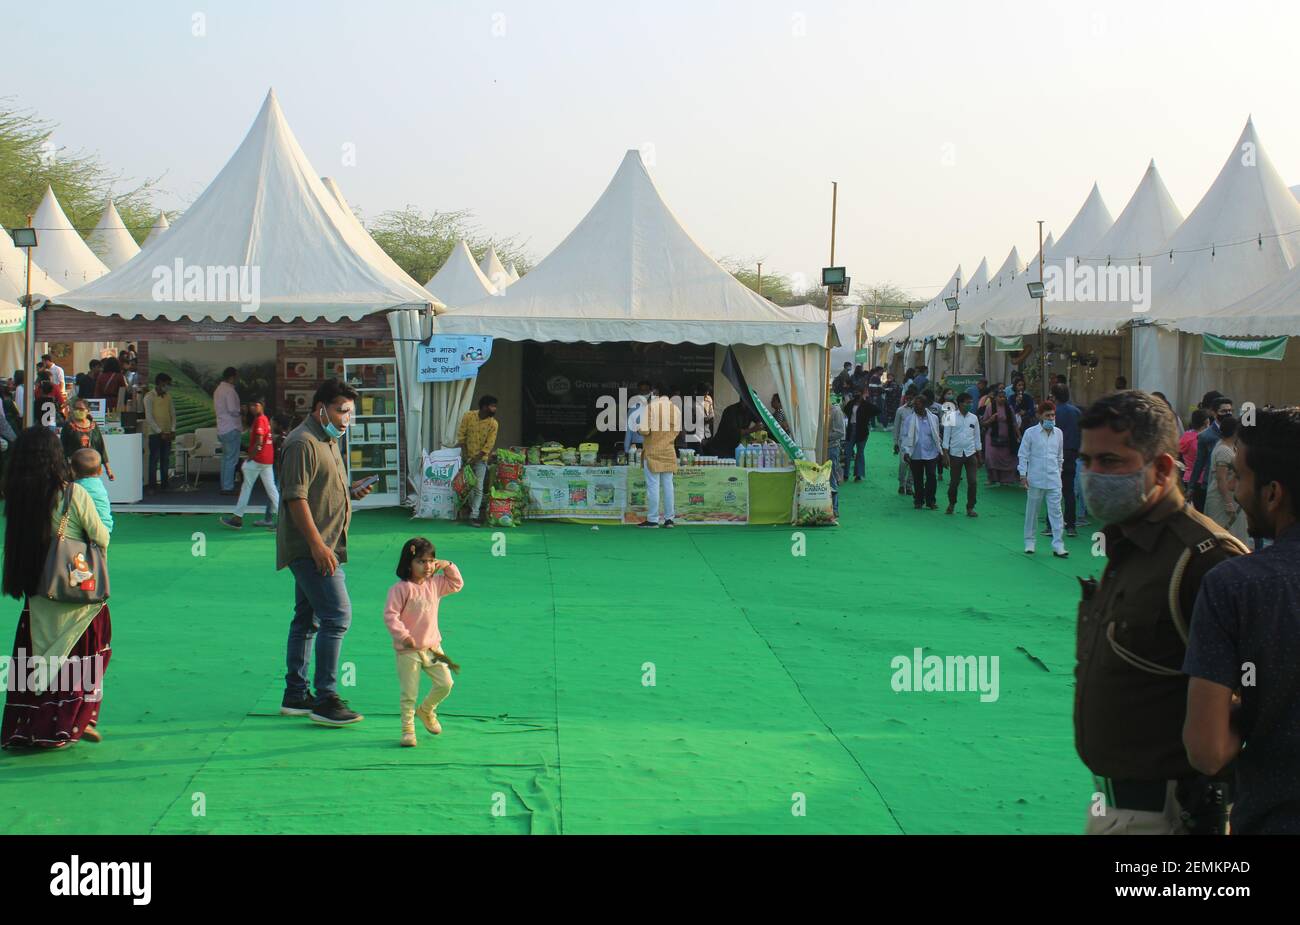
(630, 272)
(59, 249)
(459, 281)
(266, 213)
(1295, 191)
(1016, 313)
(514, 274)
(157, 230)
(935, 318)
(926, 320)
(1089, 226)
(1142, 230)
(13, 275)
(1243, 235)
(1146, 224)
(1009, 295)
(110, 240)
(333, 187)
(493, 270)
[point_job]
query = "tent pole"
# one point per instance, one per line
(825, 428)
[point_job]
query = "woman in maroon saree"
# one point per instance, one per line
(60, 650)
(1001, 442)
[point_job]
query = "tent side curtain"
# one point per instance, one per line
(1244, 378)
(800, 373)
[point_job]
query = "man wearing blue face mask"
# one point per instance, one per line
(1130, 692)
(1042, 453)
(311, 540)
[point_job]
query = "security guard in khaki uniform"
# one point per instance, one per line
(1130, 694)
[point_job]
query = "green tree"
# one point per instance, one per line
(883, 294)
(31, 158)
(420, 242)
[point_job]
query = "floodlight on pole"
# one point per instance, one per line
(1035, 290)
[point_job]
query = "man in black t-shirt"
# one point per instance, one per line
(86, 381)
(1243, 700)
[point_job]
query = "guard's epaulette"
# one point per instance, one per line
(1198, 537)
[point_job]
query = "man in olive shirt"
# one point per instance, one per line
(1130, 691)
(312, 541)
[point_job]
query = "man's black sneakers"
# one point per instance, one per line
(334, 712)
(295, 705)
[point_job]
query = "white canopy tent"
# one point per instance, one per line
(13, 289)
(110, 240)
(1242, 236)
(1017, 314)
(926, 319)
(266, 216)
(60, 249)
(514, 274)
(459, 281)
(630, 272)
(156, 232)
(493, 270)
(333, 187)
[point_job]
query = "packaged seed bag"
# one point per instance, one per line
(464, 483)
(812, 494)
(501, 508)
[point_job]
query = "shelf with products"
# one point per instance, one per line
(374, 439)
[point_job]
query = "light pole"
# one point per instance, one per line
(25, 238)
(1042, 356)
(953, 305)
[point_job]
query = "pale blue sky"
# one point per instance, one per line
(951, 127)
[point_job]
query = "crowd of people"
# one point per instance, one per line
(1186, 701)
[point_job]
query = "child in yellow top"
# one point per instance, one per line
(411, 615)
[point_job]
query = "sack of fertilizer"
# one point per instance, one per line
(813, 505)
(437, 498)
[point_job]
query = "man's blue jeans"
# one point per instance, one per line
(229, 458)
(323, 611)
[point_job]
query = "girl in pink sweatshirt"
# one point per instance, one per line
(412, 618)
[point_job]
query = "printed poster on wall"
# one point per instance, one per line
(580, 492)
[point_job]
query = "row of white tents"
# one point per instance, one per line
(627, 272)
(1230, 270)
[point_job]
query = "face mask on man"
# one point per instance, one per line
(330, 427)
(80, 414)
(1116, 498)
(1048, 424)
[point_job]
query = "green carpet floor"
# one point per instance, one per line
(771, 684)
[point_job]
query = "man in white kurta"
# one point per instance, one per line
(1042, 454)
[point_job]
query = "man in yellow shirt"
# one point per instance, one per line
(476, 438)
(661, 423)
(160, 425)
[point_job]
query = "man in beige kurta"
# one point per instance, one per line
(661, 424)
